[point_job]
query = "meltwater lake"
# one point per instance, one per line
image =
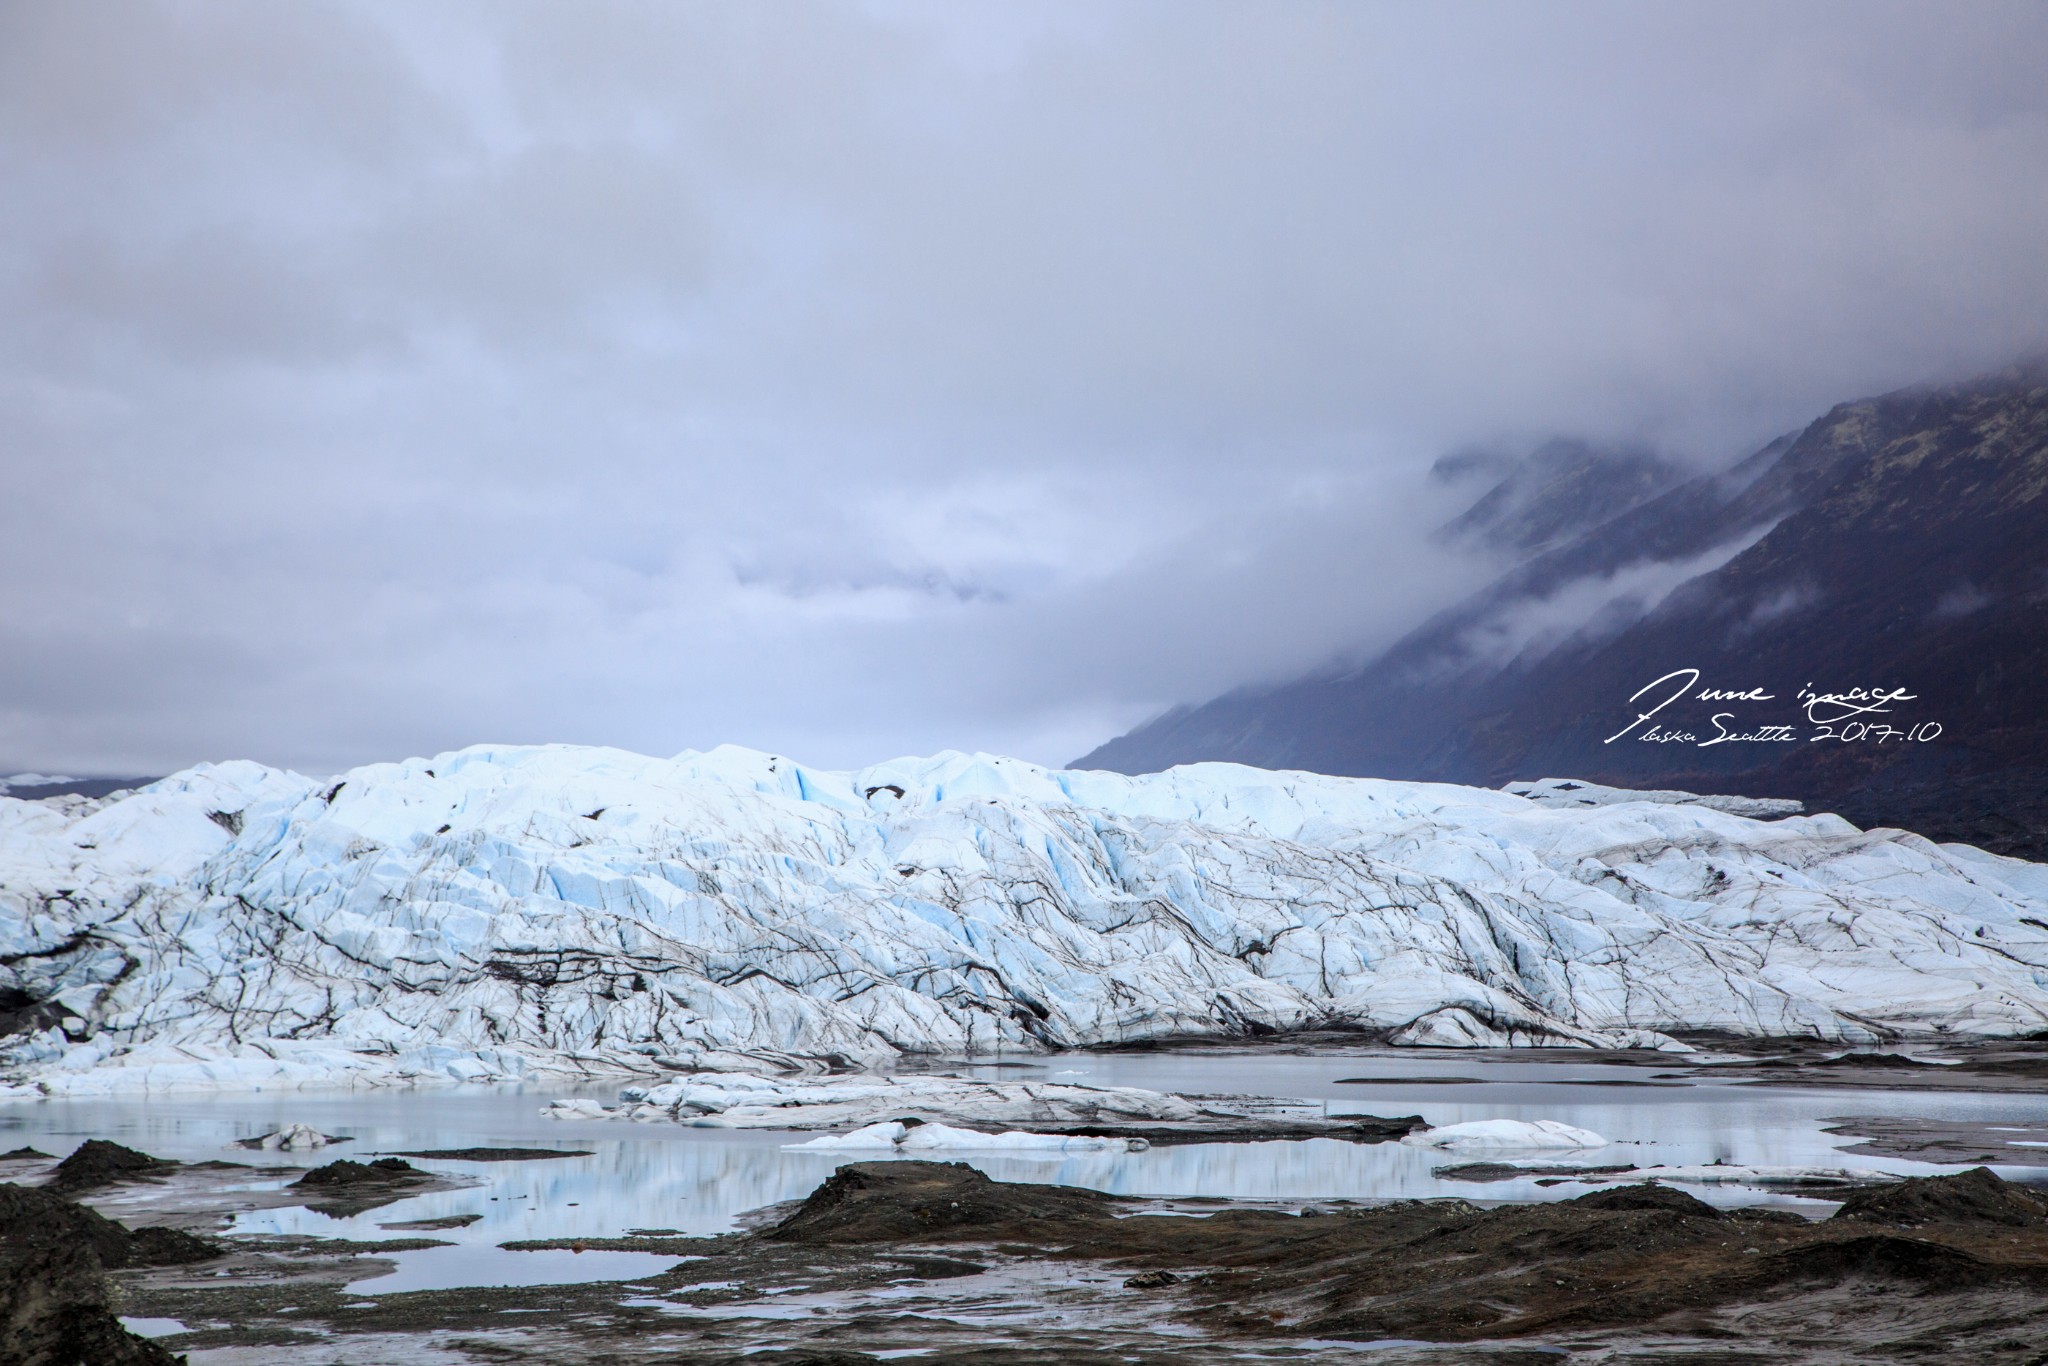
(670, 1177)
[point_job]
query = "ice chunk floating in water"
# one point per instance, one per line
(893, 1136)
(728, 1100)
(290, 1138)
(506, 912)
(1493, 1134)
(153, 1328)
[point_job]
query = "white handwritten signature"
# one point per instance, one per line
(1837, 715)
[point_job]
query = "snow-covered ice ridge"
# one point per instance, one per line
(501, 912)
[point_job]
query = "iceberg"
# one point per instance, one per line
(291, 1138)
(501, 913)
(1490, 1134)
(894, 1136)
(928, 1109)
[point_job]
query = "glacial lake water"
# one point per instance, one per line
(661, 1176)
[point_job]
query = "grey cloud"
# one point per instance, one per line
(866, 378)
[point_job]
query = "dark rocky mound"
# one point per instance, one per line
(1754, 1215)
(385, 1171)
(57, 1313)
(1888, 1256)
(1873, 1060)
(96, 1162)
(25, 1155)
(344, 1188)
(31, 1214)
(154, 1245)
(54, 1255)
(1976, 1196)
(1647, 1195)
(883, 1201)
(1436, 1270)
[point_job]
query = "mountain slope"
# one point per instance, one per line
(1558, 491)
(498, 912)
(1899, 541)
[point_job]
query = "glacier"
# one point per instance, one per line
(504, 913)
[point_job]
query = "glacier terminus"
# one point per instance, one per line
(503, 913)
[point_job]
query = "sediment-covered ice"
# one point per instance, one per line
(503, 912)
(292, 1138)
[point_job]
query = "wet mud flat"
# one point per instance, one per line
(940, 1262)
(1902, 1064)
(1945, 1141)
(1905, 1063)
(149, 1191)
(1986, 1065)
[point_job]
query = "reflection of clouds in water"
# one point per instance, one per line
(451, 1268)
(641, 1181)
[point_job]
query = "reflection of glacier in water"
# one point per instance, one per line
(661, 1176)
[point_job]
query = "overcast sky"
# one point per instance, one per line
(857, 379)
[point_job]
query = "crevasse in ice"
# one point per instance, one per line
(503, 912)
